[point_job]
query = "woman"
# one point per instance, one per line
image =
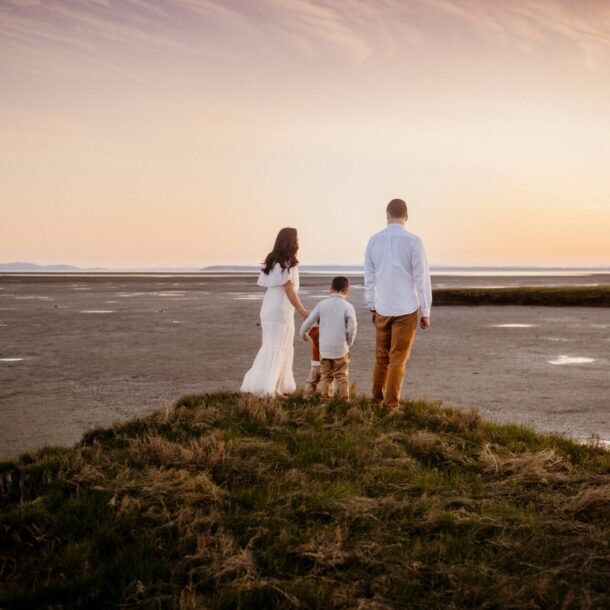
(271, 372)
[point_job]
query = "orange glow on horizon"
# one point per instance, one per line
(189, 131)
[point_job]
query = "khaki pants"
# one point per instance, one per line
(311, 385)
(334, 372)
(394, 339)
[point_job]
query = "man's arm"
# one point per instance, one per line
(423, 285)
(369, 277)
(312, 319)
(351, 324)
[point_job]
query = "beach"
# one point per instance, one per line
(85, 350)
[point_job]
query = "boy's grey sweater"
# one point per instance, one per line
(337, 319)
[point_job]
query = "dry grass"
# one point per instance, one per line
(230, 501)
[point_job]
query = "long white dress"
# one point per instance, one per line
(271, 372)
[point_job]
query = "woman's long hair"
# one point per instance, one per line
(284, 251)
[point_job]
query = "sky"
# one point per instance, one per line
(188, 132)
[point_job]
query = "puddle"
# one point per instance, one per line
(558, 339)
(97, 311)
(3, 324)
(512, 325)
(34, 298)
(126, 295)
(251, 297)
(109, 302)
(171, 294)
(11, 359)
(176, 322)
(571, 360)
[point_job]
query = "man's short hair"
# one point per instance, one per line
(340, 284)
(397, 208)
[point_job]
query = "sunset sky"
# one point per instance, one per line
(187, 132)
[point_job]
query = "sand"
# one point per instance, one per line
(78, 352)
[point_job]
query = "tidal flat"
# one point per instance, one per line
(78, 351)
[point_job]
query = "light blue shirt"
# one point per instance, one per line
(396, 273)
(338, 326)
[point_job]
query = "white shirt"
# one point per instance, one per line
(338, 326)
(396, 273)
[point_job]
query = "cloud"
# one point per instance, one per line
(113, 32)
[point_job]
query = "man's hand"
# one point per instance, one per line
(424, 322)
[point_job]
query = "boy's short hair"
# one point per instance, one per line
(340, 284)
(397, 208)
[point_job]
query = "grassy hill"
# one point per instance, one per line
(229, 501)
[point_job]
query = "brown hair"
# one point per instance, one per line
(339, 284)
(284, 250)
(397, 208)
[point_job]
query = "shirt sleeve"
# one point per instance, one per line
(369, 277)
(351, 325)
(421, 273)
(312, 319)
(276, 277)
(293, 276)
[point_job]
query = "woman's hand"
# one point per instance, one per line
(305, 313)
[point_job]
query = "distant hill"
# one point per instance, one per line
(34, 267)
(438, 269)
(303, 268)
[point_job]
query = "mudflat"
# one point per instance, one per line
(77, 351)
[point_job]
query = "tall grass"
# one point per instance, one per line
(230, 501)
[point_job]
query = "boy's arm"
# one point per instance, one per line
(312, 318)
(351, 325)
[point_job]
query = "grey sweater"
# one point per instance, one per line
(337, 319)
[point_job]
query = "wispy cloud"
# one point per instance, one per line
(84, 30)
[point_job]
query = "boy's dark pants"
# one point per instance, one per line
(394, 339)
(335, 370)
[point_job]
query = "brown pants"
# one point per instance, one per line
(334, 372)
(392, 348)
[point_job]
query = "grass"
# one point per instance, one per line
(552, 296)
(229, 501)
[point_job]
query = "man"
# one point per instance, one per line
(397, 285)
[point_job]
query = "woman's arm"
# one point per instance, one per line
(293, 297)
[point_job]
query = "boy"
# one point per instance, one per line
(311, 386)
(337, 320)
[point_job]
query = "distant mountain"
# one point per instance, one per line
(434, 268)
(304, 268)
(34, 267)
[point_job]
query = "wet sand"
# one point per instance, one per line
(80, 351)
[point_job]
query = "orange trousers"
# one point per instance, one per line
(394, 339)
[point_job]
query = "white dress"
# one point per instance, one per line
(271, 372)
